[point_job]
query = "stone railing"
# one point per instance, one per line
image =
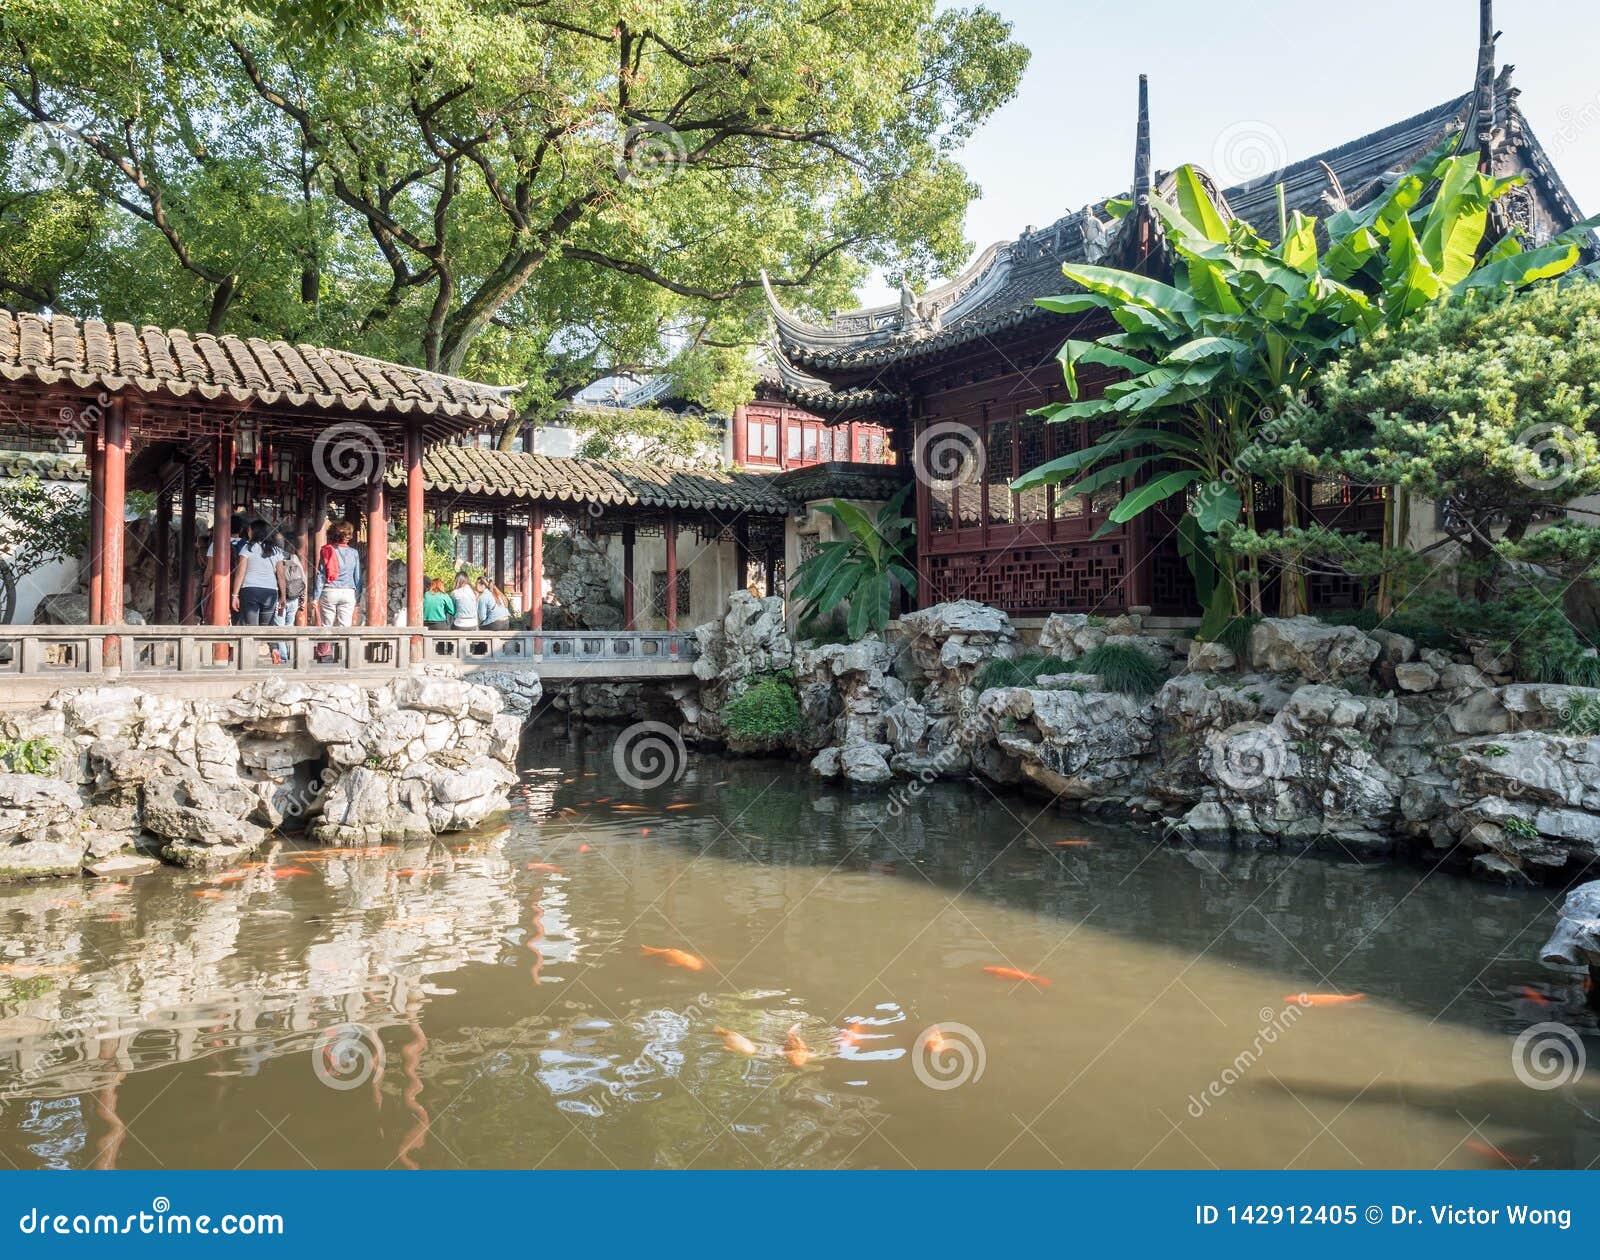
(68, 655)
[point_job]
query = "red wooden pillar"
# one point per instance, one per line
(416, 527)
(377, 554)
(628, 618)
(741, 437)
(115, 480)
(672, 571)
(188, 540)
(221, 593)
(854, 440)
(530, 592)
(536, 567)
(97, 518)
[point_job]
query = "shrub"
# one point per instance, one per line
(768, 709)
(28, 756)
(1021, 671)
(1120, 668)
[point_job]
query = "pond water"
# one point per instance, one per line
(490, 1001)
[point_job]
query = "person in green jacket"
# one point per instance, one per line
(438, 606)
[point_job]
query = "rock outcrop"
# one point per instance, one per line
(750, 640)
(204, 782)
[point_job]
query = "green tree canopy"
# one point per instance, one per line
(515, 190)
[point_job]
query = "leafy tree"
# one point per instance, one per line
(644, 434)
(514, 190)
(1485, 408)
(1214, 356)
(859, 570)
(43, 523)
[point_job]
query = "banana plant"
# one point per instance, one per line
(1209, 359)
(859, 570)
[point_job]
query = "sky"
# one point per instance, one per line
(1242, 87)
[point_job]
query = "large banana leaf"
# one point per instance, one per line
(1134, 290)
(1064, 466)
(1073, 353)
(1148, 495)
(1109, 475)
(1197, 206)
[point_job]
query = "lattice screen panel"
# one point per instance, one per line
(1032, 581)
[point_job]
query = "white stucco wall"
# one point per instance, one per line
(710, 565)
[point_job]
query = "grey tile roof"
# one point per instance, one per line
(475, 472)
(93, 355)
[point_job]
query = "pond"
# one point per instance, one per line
(849, 990)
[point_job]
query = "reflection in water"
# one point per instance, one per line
(186, 1019)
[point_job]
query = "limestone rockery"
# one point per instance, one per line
(1320, 736)
(130, 778)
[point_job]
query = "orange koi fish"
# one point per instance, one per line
(795, 1048)
(683, 805)
(935, 1041)
(621, 808)
(409, 871)
(589, 774)
(37, 969)
(644, 831)
(229, 877)
(1072, 844)
(289, 872)
(210, 894)
(1012, 973)
(1533, 995)
(675, 958)
(543, 866)
(1490, 1151)
(585, 848)
(736, 1043)
(1323, 999)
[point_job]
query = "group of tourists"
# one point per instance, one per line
(479, 605)
(270, 583)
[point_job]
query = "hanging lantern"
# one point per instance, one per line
(246, 439)
(243, 483)
(282, 467)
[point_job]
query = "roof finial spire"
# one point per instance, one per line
(1141, 146)
(1483, 85)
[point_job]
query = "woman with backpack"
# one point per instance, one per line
(258, 580)
(338, 578)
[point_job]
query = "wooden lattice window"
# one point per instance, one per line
(658, 593)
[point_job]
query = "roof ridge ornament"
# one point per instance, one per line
(1483, 89)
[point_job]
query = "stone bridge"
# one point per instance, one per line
(194, 662)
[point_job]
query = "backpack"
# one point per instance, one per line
(294, 577)
(330, 561)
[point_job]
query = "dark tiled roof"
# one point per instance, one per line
(469, 470)
(45, 467)
(96, 355)
(838, 480)
(999, 291)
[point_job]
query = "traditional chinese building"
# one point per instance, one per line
(955, 371)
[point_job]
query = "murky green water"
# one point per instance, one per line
(489, 1003)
